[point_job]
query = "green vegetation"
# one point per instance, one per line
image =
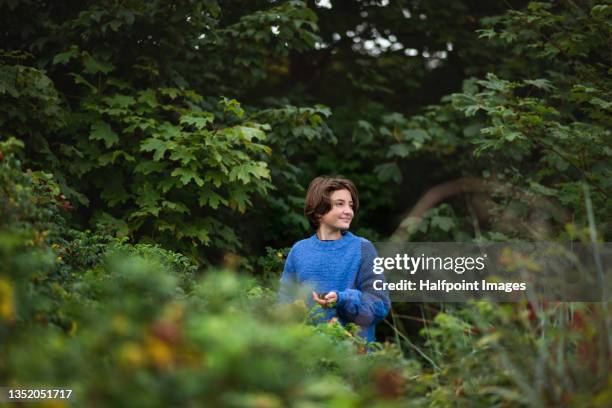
(153, 159)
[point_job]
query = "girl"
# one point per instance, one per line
(335, 262)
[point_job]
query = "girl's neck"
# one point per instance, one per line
(325, 233)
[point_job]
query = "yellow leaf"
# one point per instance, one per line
(7, 305)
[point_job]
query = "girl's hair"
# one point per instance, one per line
(318, 201)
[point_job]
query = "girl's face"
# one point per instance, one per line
(341, 213)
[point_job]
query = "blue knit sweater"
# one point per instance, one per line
(344, 266)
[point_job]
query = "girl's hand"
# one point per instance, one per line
(326, 301)
(331, 298)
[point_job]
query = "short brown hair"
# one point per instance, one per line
(318, 201)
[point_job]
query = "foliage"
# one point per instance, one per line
(294, 131)
(520, 354)
(273, 262)
(542, 128)
(165, 338)
(127, 135)
(31, 201)
(169, 338)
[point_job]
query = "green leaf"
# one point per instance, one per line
(388, 171)
(497, 84)
(102, 131)
(260, 170)
(117, 225)
(199, 230)
(511, 136)
(442, 222)
(79, 80)
(323, 110)
(94, 66)
(64, 57)
(232, 105)
(207, 196)
(239, 199)
(147, 197)
(415, 135)
(216, 177)
(176, 207)
(394, 118)
(168, 131)
(111, 157)
(541, 83)
(249, 133)
(466, 103)
(186, 175)
(119, 83)
(193, 95)
(148, 166)
(399, 150)
(148, 97)
(114, 192)
(240, 173)
(540, 189)
(167, 183)
(154, 145)
(487, 33)
(472, 130)
(182, 154)
(119, 101)
(605, 105)
(245, 171)
(172, 93)
(199, 121)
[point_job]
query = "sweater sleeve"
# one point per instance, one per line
(364, 305)
(288, 280)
